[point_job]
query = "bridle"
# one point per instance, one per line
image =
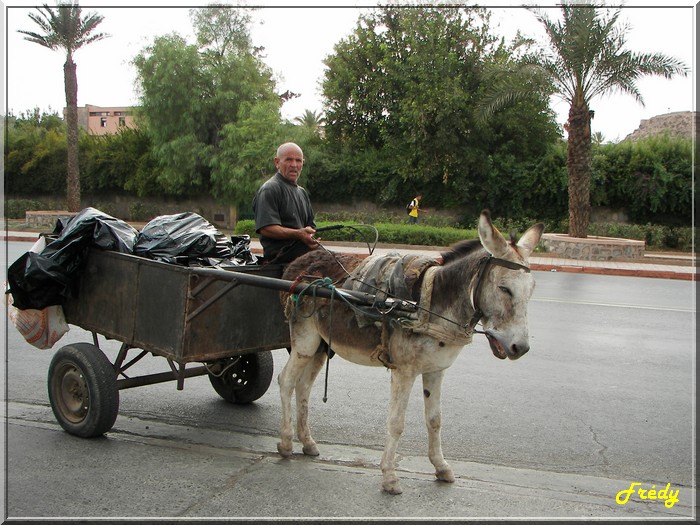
(484, 265)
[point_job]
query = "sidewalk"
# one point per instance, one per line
(657, 265)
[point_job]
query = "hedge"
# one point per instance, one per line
(656, 237)
(416, 235)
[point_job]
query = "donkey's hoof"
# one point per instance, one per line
(392, 486)
(310, 450)
(285, 452)
(445, 474)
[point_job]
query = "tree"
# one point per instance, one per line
(312, 121)
(65, 28)
(117, 162)
(589, 59)
(209, 108)
(401, 93)
(35, 154)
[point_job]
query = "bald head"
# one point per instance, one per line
(289, 161)
(285, 148)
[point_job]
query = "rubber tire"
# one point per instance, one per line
(247, 380)
(83, 390)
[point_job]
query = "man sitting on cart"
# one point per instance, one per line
(284, 218)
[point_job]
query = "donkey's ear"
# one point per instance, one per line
(528, 242)
(491, 238)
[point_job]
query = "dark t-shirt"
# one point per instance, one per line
(278, 201)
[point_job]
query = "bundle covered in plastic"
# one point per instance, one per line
(38, 280)
(184, 238)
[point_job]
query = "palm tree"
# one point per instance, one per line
(597, 138)
(312, 121)
(64, 28)
(589, 59)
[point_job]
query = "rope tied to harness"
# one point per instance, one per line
(323, 282)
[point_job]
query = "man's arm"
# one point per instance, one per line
(277, 231)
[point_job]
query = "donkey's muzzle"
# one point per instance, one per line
(513, 351)
(517, 351)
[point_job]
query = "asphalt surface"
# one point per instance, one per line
(146, 469)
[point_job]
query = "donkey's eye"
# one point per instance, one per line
(506, 290)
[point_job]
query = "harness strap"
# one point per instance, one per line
(476, 289)
(454, 334)
(508, 264)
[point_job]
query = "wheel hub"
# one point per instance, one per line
(73, 395)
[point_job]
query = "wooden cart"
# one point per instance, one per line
(203, 321)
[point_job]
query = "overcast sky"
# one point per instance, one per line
(296, 40)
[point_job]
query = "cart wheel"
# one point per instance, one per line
(245, 378)
(83, 390)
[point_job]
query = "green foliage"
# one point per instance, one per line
(656, 236)
(383, 216)
(587, 59)
(209, 108)
(312, 122)
(117, 162)
(64, 27)
(533, 188)
(244, 159)
(35, 154)
(16, 208)
(389, 233)
(337, 174)
(651, 179)
(422, 235)
(401, 94)
(110, 208)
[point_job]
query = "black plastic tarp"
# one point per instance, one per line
(38, 280)
(183, 238)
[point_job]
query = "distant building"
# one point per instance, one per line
(97, 120)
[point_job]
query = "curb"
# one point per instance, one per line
(19, 238)
(622, 272)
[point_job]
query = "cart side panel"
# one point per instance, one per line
(174, 312)
(106, 302)
(226, 319)
(160, 306)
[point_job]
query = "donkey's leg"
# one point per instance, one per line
(305, 341)
(401, 384)
(432, 388)
(303, 389)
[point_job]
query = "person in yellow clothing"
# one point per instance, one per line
(414, 209)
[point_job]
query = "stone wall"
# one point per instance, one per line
(592, 248)
(45, 220)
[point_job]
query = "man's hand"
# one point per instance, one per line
(305, 235)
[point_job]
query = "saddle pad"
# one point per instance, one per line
(391, 275)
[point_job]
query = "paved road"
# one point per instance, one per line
(603, 399)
